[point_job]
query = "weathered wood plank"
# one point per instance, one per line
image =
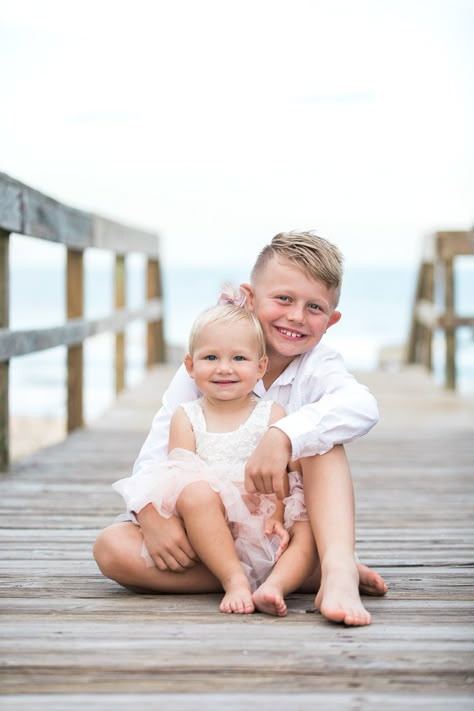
(120, 303)
(10, 205)
(122, 239)
(70, 634)
(75, 353)
(18, 343)
(296, 701)
(30, 212)
(4, 367)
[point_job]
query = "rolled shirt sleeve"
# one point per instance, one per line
(326, 405)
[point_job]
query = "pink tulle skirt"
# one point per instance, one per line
(165, 481)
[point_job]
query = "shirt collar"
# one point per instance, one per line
(285, 378)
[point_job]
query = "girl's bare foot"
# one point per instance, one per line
(238, 596)
(338, 597)
(268, 598)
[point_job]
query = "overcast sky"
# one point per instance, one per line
(221, 123)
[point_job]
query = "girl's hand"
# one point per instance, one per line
(166, 541)
(272, 526)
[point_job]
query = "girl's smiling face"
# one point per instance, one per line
(226, 362)
(294, 309)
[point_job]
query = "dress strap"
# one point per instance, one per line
(195, 415)
(260, 415)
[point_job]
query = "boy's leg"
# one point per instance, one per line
(329, 498)
(117, 552)
(202, 511)
(291, 570)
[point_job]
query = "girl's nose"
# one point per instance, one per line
(225, 366)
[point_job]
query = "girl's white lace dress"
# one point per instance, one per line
(220, 460)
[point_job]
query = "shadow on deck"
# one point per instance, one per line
(72, 639)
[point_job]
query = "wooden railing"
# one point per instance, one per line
(28, 212)
(436, 286)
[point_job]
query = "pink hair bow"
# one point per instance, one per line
(231, 295)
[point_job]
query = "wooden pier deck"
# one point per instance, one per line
(73, 640)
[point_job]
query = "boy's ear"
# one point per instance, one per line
(188, 362)
(335, 317)
(249, 295)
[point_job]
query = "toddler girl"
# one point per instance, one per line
(252, 543)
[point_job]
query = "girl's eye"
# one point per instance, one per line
(210, 357)
(239, 357)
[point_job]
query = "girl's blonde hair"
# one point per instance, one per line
(227, 313)
(316, 257)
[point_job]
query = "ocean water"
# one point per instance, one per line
(376, 306)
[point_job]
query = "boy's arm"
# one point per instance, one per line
(265, 470)
(155, 448)
(338, 410)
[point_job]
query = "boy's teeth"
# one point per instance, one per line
(290, 333)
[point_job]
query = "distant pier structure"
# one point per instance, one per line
(26, 211)
(435, 304)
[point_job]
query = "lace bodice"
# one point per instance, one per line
(228, 449)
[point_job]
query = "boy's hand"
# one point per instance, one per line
(166, 541)
(252, 502)
(273, 526)
(265, 471)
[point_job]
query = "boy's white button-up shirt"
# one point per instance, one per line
(325, 405)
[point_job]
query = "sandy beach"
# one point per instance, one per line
(28, 434)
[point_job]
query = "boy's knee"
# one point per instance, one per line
(331, 461)
(107, 552)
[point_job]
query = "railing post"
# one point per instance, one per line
(155, 337)
(120, 302)
(428, 295)
(450, 326)
(4, 367)
(75, 357)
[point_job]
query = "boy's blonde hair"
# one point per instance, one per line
(227, 313)
(316, 257)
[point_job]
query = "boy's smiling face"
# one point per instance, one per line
(294, 309)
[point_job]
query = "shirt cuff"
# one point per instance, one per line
(302, 445)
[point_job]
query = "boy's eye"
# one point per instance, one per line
(283, 298)
(238, 357)
(210, 357)
(315, 307)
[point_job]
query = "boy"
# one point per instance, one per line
(294, 292)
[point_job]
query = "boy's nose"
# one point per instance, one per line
(296, 313)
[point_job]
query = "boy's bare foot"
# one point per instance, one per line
(338, 597)
(268, 598)
(238, 597)
(370, 582)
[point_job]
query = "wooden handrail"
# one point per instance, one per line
(437, 276)
(27, 211)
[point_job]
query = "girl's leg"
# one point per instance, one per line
(202, 511)
(329, 498)
(117, 552)
(291, 570)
